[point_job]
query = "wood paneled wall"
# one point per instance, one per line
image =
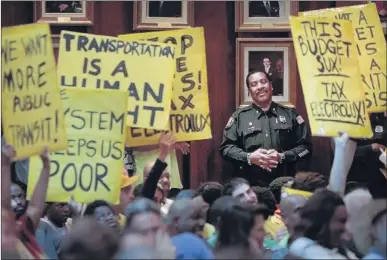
(217, 17)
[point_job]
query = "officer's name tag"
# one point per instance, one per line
(379, 129)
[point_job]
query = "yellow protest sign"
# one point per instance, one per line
(91, 167)
(32, 109)
(371, 49)
(286, 192)
(329, 72)
(144, 69)
(190, 114)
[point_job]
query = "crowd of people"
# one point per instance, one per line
(265, 214)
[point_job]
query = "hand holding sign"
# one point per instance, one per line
(183, 147)
(45, 158)
(7, 154)
(166, 144)
(377, 147)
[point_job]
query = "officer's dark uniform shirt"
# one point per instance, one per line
(279, 128)
(365, 166)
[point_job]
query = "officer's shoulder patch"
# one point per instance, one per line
(230, 122)
(300, 120)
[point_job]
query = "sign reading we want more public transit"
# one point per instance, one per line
(32, 112)
(144, 69)
(190, 115)
(330, 76)
(90, 168)
(371, 49)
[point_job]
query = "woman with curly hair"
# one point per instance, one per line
(323, 220)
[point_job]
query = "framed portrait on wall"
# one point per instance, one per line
(276, 57)
(256, 16)
(64, 12)
(154, 15)
(381, 7)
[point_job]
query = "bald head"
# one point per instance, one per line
(187, 216)
(290, 203)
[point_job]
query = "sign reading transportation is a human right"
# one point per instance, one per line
(190, 114)
(144, 69)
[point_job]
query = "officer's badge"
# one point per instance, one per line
(230, 122)
(282, 119)
(379, 129)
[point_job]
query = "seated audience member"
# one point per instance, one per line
(187, 216)
(13, 198)
(309, 181)
(139, 252)
(165, 184)
(103, 213)
(355, 201)
(215, 213)
(375, 214)
(274, 226)
(240, 188)
(190, 246)
(143, 216)
(323, 219)
(52, 228)
(166, 144)
(276, 186)
(208, 229)
(210, 191)
(160, 244)
(242, 227)
(158, 197)
(11, 246)
(186, 194)
(145, 155)
(290, 212)
(126, 195)
(89, 239)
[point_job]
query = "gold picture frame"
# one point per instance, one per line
(160, 15)
(256, 16)
(64, 12)
(251, 53)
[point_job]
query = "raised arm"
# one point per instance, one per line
(7, 155)
(342, 161)
(37, 203)
(166, 143)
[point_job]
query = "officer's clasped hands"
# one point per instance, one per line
(266, 159)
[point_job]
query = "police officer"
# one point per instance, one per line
(265, 139)
(366, 164)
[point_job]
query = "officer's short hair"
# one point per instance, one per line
(256, 71)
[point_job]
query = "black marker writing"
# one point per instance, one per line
(89, 43)
(85, 176)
